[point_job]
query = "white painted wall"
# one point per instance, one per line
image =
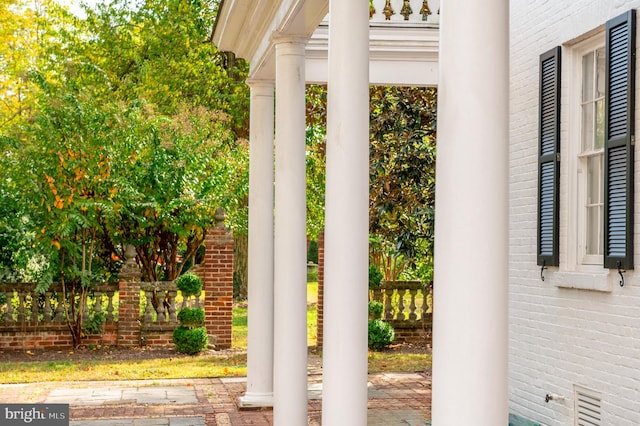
(560, 337)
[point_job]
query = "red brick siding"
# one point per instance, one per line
(218, 286)
(320, 327)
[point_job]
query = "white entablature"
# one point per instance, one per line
(401, 51)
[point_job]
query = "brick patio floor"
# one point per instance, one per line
(394, 399)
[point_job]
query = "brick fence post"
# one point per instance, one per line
(129, 300)
(218, 282)
(320, 326)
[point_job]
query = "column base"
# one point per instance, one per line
(255, 400)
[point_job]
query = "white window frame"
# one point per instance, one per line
(572, 272)
(583, 178)
(577, 259)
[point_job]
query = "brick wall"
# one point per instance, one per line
(217, 271)
(157, 337)
(418, 332)
(109, 337)
(129, 314)
(559, 336)
(54, 337)
(320, 325)
(58, 338)
(128, 331)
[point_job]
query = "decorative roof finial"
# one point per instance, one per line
(425, 11)
(406, 10)
(388, 10)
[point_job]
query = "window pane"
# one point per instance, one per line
(599, 142)
(587, 77)
(600, 64)
(591, 157)
(594, 231)
(587, 127)
(601, 229)
(594, 180)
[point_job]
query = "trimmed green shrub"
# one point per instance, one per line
(375, 309)
(190, 340)
(189, 284)
(191, 336)
(375, 278)
(381, 334)
(191, 316)
(312, 274)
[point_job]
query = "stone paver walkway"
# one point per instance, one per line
(394, 399)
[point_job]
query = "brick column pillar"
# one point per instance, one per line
(129, 300)
(218, 282)
(320, 328)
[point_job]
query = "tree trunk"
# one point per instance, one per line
(240, 265)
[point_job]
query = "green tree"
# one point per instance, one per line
(29, 34)
(128, 130)
(316, 118)
(64, 171)
(177, 173)
(169, 111)
(402, 175)
(160, 54)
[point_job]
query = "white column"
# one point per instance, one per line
(290, 366)
(471, 243)
(344, 400)
(260, 313)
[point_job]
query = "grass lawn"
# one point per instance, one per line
(160, 368)
(210, 364)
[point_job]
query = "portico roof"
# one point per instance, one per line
(402, 52)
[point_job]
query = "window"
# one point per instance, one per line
(590, 161)
(600, 151)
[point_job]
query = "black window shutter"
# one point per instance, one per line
(548, 158)
(619, 141)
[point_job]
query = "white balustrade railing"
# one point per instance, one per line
(22, 305)
(404, 301)
(160, 303)
(409, 11)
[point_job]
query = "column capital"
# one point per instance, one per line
(295, 41)
(260, 83)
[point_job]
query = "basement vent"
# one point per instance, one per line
(588, 407)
